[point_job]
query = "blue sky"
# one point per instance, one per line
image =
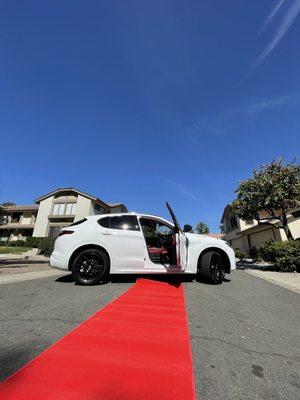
(147, 101)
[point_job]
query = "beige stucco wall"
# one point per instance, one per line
(83, 208)
(116, 210)
(237, 243)
(25, 219)
(243, 225)
(41, 224)
(280, 235)
(295, 228)
(233, 234)
(257, 238)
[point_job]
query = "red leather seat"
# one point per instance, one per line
(157, 250)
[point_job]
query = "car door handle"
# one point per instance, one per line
(106, 233)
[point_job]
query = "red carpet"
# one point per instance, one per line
(137, 347)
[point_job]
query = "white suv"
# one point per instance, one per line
(135, 243)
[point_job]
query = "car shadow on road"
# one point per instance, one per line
(122, 278)
(174, 280)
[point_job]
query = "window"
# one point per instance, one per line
(164, 229)
(99, 209)
(15, 218)
(105, 222)
(54, 231)
(59, 209)
(64, 209)
(233, 222)
(125, 222)
(71, 209)
(154, 229)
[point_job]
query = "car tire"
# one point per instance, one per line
(212, 267)
(90, 266)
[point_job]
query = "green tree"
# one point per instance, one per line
(2, 215)
(188, 228)
(202, 228)
(269, 194)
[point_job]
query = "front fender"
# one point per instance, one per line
(200, 244)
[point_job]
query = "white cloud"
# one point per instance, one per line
(252, 109)
(285, 24)
(218, 123)
(272, 14)
(182, 189)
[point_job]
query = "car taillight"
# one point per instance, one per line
(65, 232)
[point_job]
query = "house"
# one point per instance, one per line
(51, 212)
(244, 234)
(17, 222)
(117, 208)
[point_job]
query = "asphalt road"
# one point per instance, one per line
(243, 333)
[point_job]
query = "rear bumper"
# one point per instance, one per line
(58, 262)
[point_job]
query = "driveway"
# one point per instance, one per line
(243, 333)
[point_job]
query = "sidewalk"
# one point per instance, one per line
(17, 268)
(288, 280)
(29, 254)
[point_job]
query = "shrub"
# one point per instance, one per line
(254, 253)
(46, 246)
(284, 255)
(16, 243)
(239, 253)
(33, 241)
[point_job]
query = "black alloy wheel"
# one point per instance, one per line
(212, 266)
(90, 266)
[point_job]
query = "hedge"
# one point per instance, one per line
(46, 246)
(14, 243)
(284, 255)
(240, 254)
(34, 241)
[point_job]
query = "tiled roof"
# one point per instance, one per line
(66, 189)
(26, 207)
(215, 235)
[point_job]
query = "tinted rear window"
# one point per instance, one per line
(105, 222)
(124, 222)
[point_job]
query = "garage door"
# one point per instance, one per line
(237, 243)
(256, 239)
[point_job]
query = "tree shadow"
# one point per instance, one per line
(13, 359)
(260, 267)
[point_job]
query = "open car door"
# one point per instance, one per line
(181, 241)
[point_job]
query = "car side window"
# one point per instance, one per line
(153, 228)
(123, 222)
(105, 222)
(164, 229)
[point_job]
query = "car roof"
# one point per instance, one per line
(131, 214)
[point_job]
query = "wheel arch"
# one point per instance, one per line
(218, 250)
(85, 247)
